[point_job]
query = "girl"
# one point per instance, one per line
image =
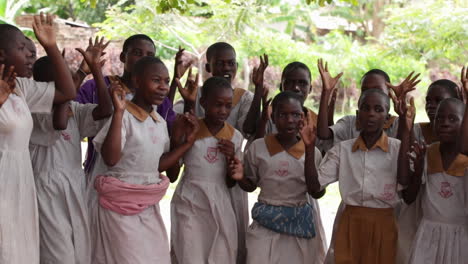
(134, 144)
(19, 226)
(56, 160)
(204, 228)
(369, 173)
(442, 234)
(283, 229)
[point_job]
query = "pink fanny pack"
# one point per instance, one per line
(128, 199)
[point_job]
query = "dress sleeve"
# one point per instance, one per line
(83, 114)
(39, 96)
(341, 129)
(251, 164)
(102, 134)
(328, 171)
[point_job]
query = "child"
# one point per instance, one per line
(56, 161)
(437, 92)
(283, 229)
(126, 222)
(19, 226)
(442, 233)
(134, 48)
(204, 226)
(369, 176)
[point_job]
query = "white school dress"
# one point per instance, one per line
(140, 238)
(241, 101)
(60, 184)
(442, 236)
(280, 176)
(19, 221)
(204, 226)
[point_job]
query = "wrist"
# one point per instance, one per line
(118, 113)
(310, 149)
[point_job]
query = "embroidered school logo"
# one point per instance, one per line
(445, 190)
(16, 107)
(211, 154)
(66, 136)
(283, 169)
(389, 192)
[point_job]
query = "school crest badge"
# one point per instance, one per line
(388, 192)
(283, 169)
(211, 154)
(66, 136)
(445, 190)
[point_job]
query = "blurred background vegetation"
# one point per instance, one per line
(426, 36)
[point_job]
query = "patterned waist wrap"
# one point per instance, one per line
(295, 221)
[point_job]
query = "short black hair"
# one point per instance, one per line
(366, 93)
(211, 51)
(448, 85)
(7, 32)
(457, 102)
(129, 41)
(42, 70)
(284, 96)
(144, 62)
(214, 83)
(294, 66)
(376, 72)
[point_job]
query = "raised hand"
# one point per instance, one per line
(118, 97)
(181, 66)
(43, 27)
(189, 92)
(308, 133)
(227, 148)
(408, 85)
(464, 81)
(7, 83)
(191, 127)
(236, 170)
(258, 72)
(92, 57)
(328, 82)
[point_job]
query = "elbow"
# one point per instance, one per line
(110, 161)
(316, 193)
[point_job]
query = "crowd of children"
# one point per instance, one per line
(404, 186)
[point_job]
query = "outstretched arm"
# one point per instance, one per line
(464, 130)
(45, 34)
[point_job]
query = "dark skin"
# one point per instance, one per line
(464, 130)
(374, 81)
(92, 56)
(217, 109)
(373, 113)
(17, 54)
(136, 50)
(153, 85)
(32, 49)
(288, 118)
(435, 95)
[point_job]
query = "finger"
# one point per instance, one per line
(415, 77)
(338, 76)
(90, 42)
(2, 69)
(105, 46)
(179, 85)
(102, 63)
(326, 66)
(48, 19)
(189, 73)
(96, 41)
(80, 50)
(10, 73)
(267, 62)
(390, 85)
(409, 77)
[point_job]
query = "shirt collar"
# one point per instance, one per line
(139, 113)
(434, 162)
(227, 132)
(381, 143)
(274, 147)
(428, 133)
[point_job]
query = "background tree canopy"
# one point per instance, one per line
(354, 36)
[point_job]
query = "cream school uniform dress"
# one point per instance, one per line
(204, 226)
(140, 238)
(280, 176)
(368, 186)
(19, 220)
(347, 128)
(60, 184)
(241, 101)
(409, 216)
(442, 236)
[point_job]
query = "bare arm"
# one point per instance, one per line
(111, 150)
(310, 171)
(60, 116)
(464, 129)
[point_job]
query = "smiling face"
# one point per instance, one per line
(298, 81)
(223, 64)
(138, 49)
(374, 81)
(17, 54)
(435, 95)
(448, 121)
(153, 83)
(373, 113)
(287, 116)
(217, 105)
